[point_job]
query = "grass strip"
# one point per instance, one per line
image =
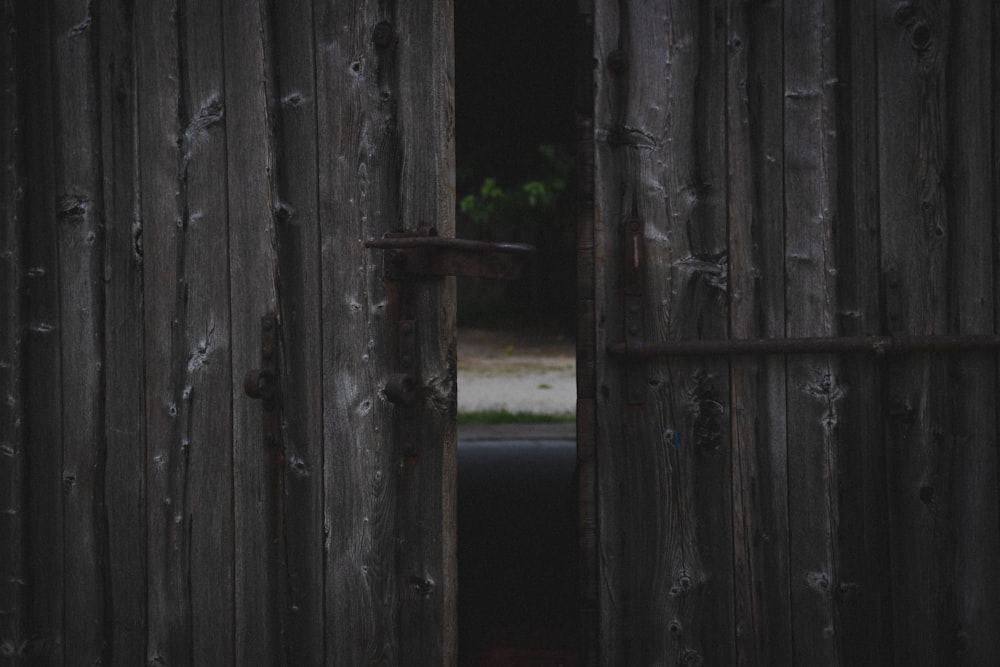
(508, 417)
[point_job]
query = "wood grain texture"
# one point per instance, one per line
(766, 99)
(296, 216)
(80, 243)
(915, 229)
(663, 467)
(743, 304)
(427, 531)
(974, 583)
(13, 453)
(863, 591)
(386, 120)
(252, 291)
(814, 386)
(44, 423)
(124, 427)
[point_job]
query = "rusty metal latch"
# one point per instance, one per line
(264, 383)
(413, 256)
(424, 254)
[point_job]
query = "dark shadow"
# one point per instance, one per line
(517, 523)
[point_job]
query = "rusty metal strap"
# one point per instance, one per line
(877, 345)
(425, 255)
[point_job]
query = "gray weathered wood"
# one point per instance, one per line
(124, 423)
(385, 128)
(864, 618)
(42, 359)
(13, 468)
(298, 234)
(973, 584)
(770, 559)
(252, 293)
(743, 303)
(666, 565)
(814, 386)
(914, 237)
(77, 188)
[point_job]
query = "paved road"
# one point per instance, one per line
(517, 556)
(515, 372)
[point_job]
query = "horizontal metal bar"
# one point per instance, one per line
(878, 345)
(446, 243)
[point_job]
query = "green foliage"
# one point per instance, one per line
(533, 201)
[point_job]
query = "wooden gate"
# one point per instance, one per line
(806, 169)
(776, 170)
(175, 171)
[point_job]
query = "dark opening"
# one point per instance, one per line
(517, 528)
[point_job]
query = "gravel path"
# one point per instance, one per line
(515, 372)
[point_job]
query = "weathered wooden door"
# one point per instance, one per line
(174, 172)
(807, 169)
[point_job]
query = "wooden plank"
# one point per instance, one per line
(914, 235)
(13, 461)
(298, 234)
(814, 386)
(79, 217)
(203, 359)
(661, 159)
(586, 339)
(428, 492)
(252, 275)
(608, 328)
(165, 139)
(973, 583)
(386, 116)
(743, 310)
(124, 428)
(864, 595)
(360, 467)
(42, 344)
(770, 557)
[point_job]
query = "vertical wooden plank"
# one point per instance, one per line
(252, 271)
(77, 182)
(386, 115)
(13, 468)
(158, 97)
(770, 558)
(743, 304)
(863, 592)
(298, 234)
(973, 584)
(608, 327)
(43, 426)
(124, 427)
(357, 162)
(427, 497)
(815, 388)
(912, 46)
(203, 361)
(699, 309)
(586, 338)
(663, 470)
(189, 377)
